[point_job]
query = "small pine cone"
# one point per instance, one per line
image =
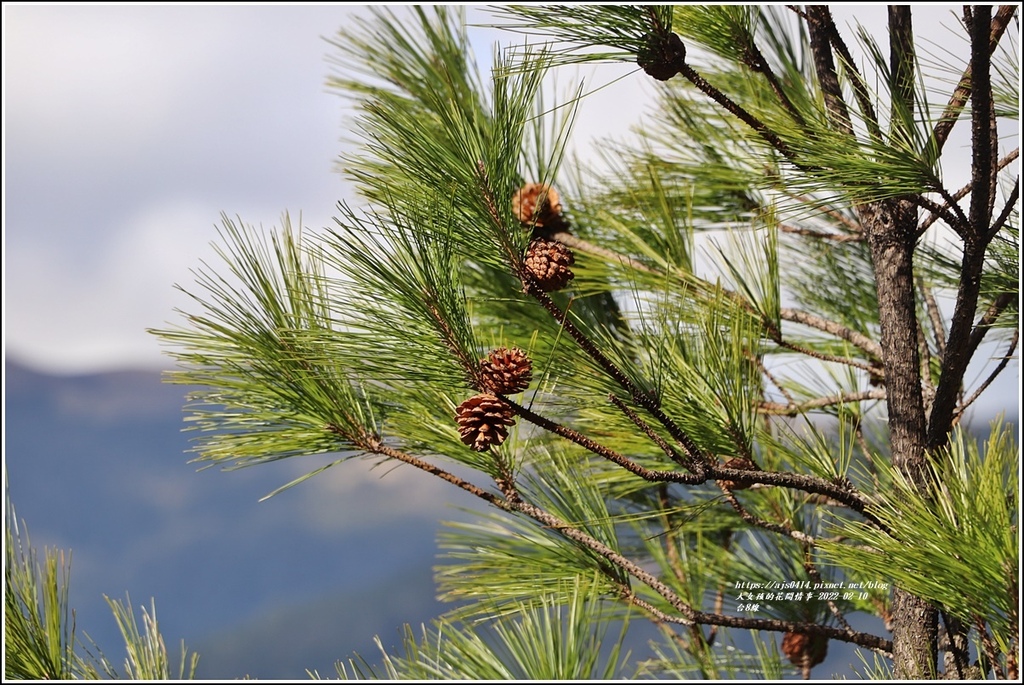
(803, 650)
(549, 262)
(506, 371)
(537, 204)
(661, 55)
(738, 463)
(483, 421)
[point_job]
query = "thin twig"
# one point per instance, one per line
(927, 387)
(992, 376)
(935, 316)
(812, 571)
(779, 528)
(771, 378)
(964, 192)
(842, 492)
(779, 409)
(958, 223)
(669, 451)
(867, 640)
(671, 549)
(640, 397)
(811, 233)
(985, 323)
(600, 450)
(874, 370)
(851, 224)
(859, 340)
(743, 115)
(962, 92)
(1011, 204)
(754, 59)
(860, 90)
(866, 450)
(375, 445)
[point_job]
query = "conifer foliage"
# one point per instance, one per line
(721, 386)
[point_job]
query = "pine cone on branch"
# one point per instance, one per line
(549, 262)
(483, 421)
(738, 463)
(805, 651)
(537, 204)
(506, 371)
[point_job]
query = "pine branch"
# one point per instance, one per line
(639, 397)
(754, 59)
(873, 369)
(841, 491)
(602, 451)
(866, 344)
(820, 28)
(778, 409)
(988, 319)
(375, 445)
(958, 347)
(694, 466)
(689, 615)
(778, 528)
(759, 127)
(869, 346)
(860, 90)
(959, 223)
(962, 92)
(981, 123)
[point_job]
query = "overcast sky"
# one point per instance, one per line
(129, 129)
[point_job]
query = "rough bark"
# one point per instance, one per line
(890, 227)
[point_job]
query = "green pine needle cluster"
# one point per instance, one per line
(40, 632)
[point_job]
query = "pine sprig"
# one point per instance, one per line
(970, 506)
(265, 392)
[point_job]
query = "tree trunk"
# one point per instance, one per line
(891, 226)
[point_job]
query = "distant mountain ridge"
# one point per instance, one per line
(97, 464)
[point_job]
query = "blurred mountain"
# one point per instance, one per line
(98, 464)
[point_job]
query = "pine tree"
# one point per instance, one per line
(720, 387)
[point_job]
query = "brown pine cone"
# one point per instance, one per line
(506, 371)
(738, 463)
(537, 204)
(483, 421)
(803, 650)
(549, 262)
(662, 55)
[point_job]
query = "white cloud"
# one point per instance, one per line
(127, 131)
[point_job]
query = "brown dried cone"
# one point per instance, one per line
(738, 463)
(483, 421)
(661, 55)
(805, 651)
(506, 371)
(537, 204)
(549, 262)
